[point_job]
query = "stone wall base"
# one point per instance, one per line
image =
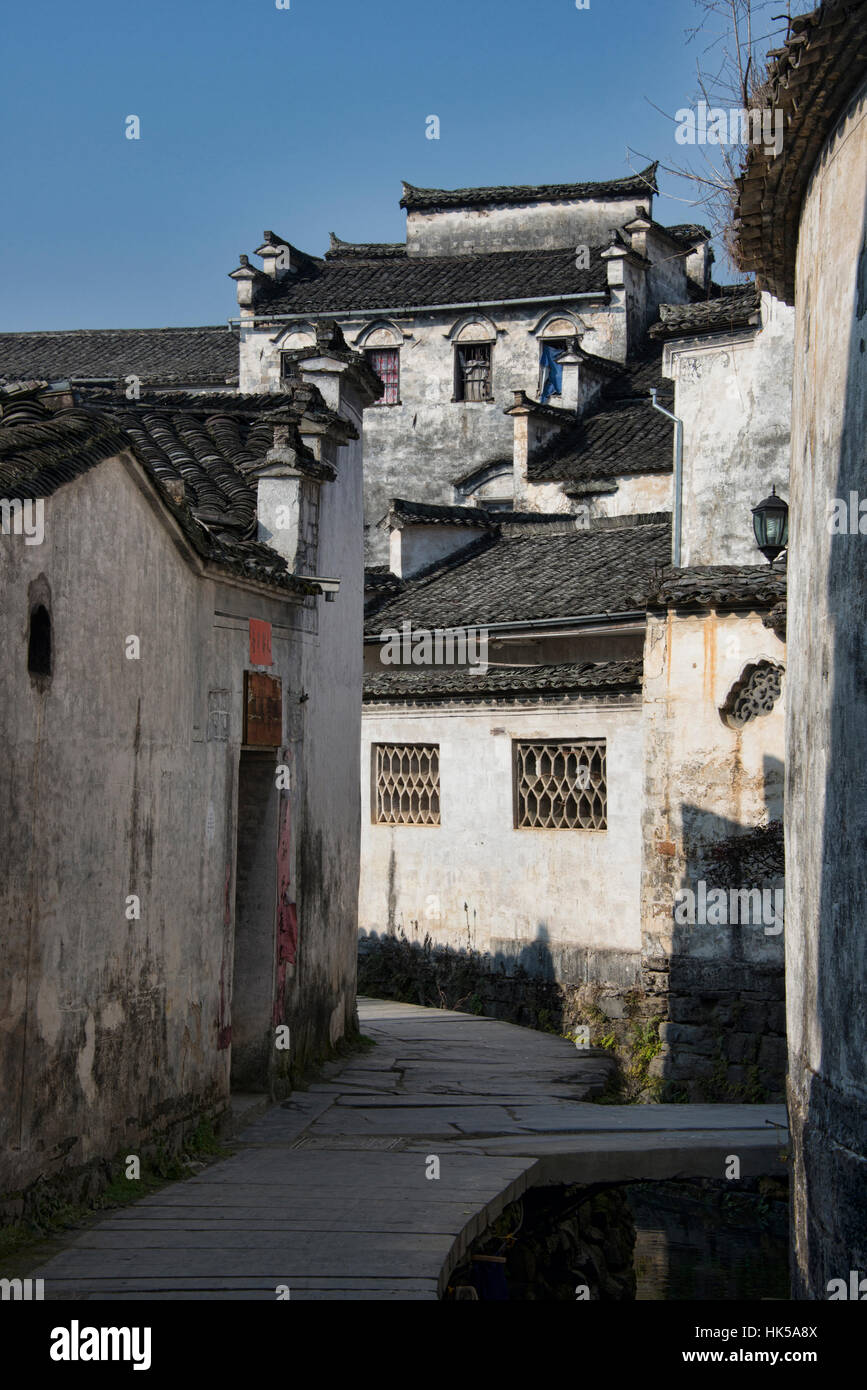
(682, 1030)
(50, 1199)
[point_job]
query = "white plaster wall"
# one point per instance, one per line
(734, 395)
(703, 779)
(115, 789)
(330, 677)
(636, 493)
(412, 548)
(524, 227)
(498, 888)
(827, 720)
(418, 448)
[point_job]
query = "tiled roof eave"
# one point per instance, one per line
(587, 679)
(745, 587)
(812, 79)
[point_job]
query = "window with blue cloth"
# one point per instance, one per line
(551, 373)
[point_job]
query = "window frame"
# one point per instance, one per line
(434, 791)
(459, 395)
(369, 354)
(562, 345)
(597, 744)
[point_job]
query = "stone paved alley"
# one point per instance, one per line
(327, 1193)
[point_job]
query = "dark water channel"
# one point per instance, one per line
(661, 1241)
(709, 1243)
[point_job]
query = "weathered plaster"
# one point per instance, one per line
(827, 723)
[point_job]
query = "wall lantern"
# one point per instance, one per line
(771, 526)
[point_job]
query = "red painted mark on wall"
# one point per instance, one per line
(287, 916)
(260, 643)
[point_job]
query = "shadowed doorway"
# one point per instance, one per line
(255, 921)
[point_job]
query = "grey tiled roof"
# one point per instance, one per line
(633, 186)
(40, 451)
(738, 309)
(621, 434)
(433, 513)
(43, 449)
(704, 586)
(811, 78)
(367, 250)
(432, 682)
(518, 578)
(188, 356)
(776, 619)
(344, 283)
(689, 231)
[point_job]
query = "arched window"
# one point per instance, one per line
(473, 337)
(556, 332)
(381, 342)
(39, 655)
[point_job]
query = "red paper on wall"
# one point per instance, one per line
(260, 643)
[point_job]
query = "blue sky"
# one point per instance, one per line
(302, 120)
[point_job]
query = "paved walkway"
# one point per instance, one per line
(328, 1194)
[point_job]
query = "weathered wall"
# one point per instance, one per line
(421, 447)
(560, 902)
(322, 996)
(116, 1028)
(733, 393)
(523, 227)
(667, 276)
(827, 724)
(125, 781)
(412, 548)
(705, 783)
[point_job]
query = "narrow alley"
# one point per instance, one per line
(334, 1194)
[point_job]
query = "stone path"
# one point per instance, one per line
(327, 1194)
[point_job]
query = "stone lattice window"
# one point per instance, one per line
(407, 784)
(560, 785)
(754, 694)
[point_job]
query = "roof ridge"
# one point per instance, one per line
(625, 186)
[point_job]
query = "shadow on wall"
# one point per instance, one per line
(518, 986)
(828, 1092)
(725, 1036)
(527, 985)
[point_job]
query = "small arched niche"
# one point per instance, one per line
(39, 646)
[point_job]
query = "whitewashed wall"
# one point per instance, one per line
(734, 395)
(496, 888)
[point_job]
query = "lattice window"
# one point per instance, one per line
(473, 372)
(561, 785)
(754, 694)
(386, 363)
(407, 783)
